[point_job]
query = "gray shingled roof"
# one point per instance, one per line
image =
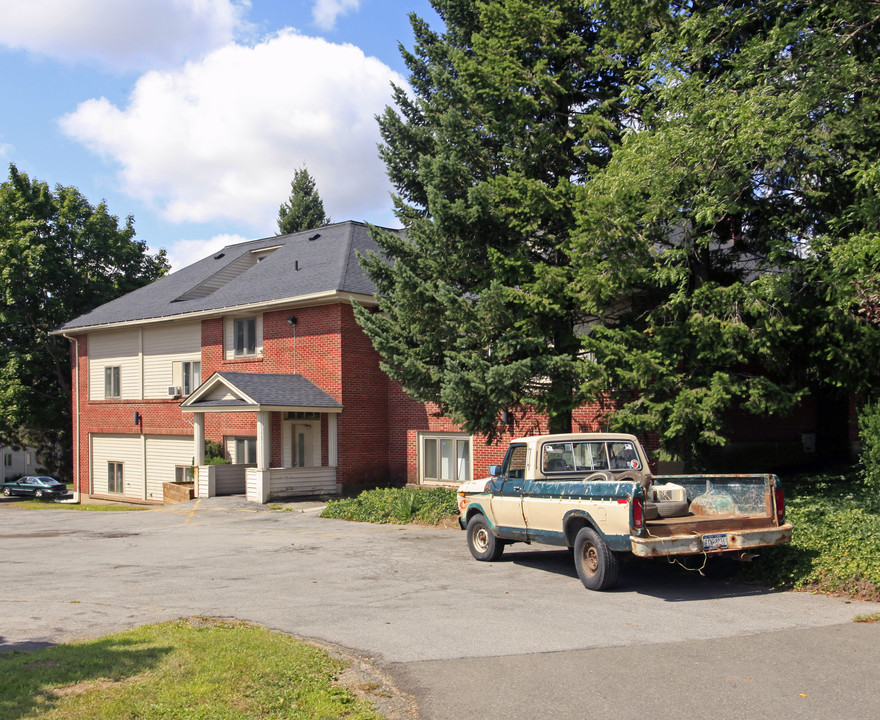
(301, 266)
(271, 390)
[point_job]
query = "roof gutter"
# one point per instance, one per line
(302, 301)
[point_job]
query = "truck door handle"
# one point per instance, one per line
(516, 488)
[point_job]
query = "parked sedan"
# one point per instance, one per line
(38, 486)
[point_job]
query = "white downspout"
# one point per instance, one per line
(76, 463)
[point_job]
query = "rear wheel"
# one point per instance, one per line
(597, 566)
(481, 541)
(38, 494)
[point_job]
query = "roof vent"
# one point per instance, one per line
(219, 255)
(314, 237)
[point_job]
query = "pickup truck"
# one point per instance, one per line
(594, 494)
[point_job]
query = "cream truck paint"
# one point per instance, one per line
(593, 492)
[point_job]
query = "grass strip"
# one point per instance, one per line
(46, 505)
(192, 669)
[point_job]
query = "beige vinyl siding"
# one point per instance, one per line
(125, 449)
(115, 348)
(164, 454)
(163, 346)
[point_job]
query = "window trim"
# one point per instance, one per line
(112, 382)
(247, 441)
(184, 473)
(456, 437)
(118, 475)
(231, 325)
(246, 328)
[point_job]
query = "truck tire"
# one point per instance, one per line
(596, 565)
(665, 509)
(481, 541)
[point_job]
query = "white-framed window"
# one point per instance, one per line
(183, 473)
(245, 451)
(444, 457)
(192, 376)
(114, 477)
(244, 336)
(112, 387)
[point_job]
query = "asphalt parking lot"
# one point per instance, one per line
(515, 638)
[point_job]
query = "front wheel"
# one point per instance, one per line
(597, 566)
(481, 541)
(7, 492)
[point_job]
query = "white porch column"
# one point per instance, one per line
(198, 439)
(264, 440)
(258, 490)
(332, 445)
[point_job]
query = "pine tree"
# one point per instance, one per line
(304, 208)
(513, 108)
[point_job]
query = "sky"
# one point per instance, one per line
(192, 115)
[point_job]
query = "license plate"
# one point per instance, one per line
(717, 541)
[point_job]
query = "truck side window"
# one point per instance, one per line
(623, 456)
(514, 463)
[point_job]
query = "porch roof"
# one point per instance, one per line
(249, 392)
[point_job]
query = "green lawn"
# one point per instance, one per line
(189, 669)
(52, 505)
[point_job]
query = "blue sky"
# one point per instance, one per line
(192, 115)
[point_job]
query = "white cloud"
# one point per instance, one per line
(325, 12)
(221, 138)
(121, 34)
(186, 252)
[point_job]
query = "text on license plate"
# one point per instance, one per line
(716, 541)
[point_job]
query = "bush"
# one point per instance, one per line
(396, 505)
(869, 432)
(835, 541)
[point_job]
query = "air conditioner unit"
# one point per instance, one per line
(173, 390)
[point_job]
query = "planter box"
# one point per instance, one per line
(174, 492)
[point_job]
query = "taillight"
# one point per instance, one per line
(780, 506)
(637, 517)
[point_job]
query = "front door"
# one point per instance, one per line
(302, 447)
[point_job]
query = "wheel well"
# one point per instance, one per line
(574, 526)
(473, 511)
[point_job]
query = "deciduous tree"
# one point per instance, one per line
(60, 256)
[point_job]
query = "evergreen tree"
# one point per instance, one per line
(304, 208)
(738, 220)
(60, 257)
(513, 107)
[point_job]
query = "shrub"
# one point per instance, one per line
(869, 432)
(835, 542)
(395, 505)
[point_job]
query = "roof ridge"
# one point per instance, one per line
(341, 282)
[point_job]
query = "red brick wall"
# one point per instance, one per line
(379, 427)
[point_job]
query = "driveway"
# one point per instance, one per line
(515, 638)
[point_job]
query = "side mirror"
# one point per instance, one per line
(494, 470)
